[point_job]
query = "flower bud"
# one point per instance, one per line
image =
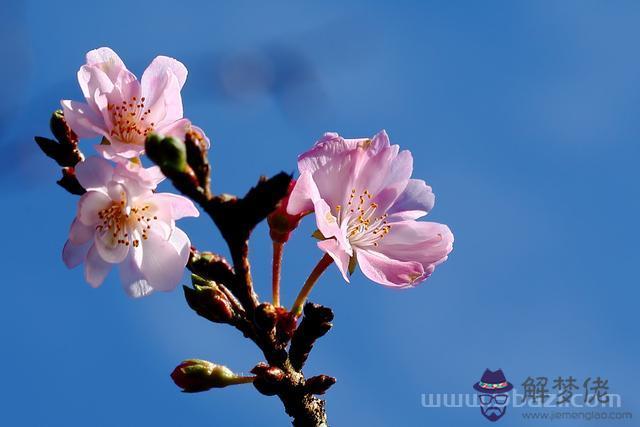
(175, 153)
(70, 183)
(268, 379)
(209, 301)
(169, 153)
(196, 149)
(281, 224)
(196, 375)
(319, 384)
(272, 374)
(266, 316)
(65, 150)
(286, 325)
(48, 146)
(61, 129)
(211, 267)
(152, 144)
(315, 323)
(319, 316)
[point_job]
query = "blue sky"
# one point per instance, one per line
(523, 116)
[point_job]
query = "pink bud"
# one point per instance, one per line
(281, 223)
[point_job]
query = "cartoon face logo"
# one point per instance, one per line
(492, 393)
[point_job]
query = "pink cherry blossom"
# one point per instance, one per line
(366, 206)
(124, 110)
(121, 221)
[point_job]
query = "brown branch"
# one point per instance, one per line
(305, 409)
(185, 165)
(236, 219)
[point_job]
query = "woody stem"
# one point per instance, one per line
(322, 265)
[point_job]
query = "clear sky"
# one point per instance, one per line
(523, 116)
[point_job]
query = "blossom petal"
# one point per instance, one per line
(118, 149)
(159, 67)
(161, 83)
(127, 85)
(389, 272)
(93, 173)
(107, 59)
(375, 169)
(95, 268)
(416, 201)
(336, 178)
(73, 255)
(138, 179)
(164, 226)
(328, 225)
(331, 145)
(136, 251)
(153, 175)
(162, 265)
(181, 243)
(395, 181)
(179, 206)
(132, 279)
(304, 193)
(326, 148)
(90, 204)
(80, 233)
(401, 169)
(138, 183)
(379, 141)
(94, 82)
(82, 119)
(339, 255)
(110, 247)
(172, 103)
(177, 129)
(426, 242)
(119, 192)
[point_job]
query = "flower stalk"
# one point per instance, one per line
(278, 248)
(322, 265)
